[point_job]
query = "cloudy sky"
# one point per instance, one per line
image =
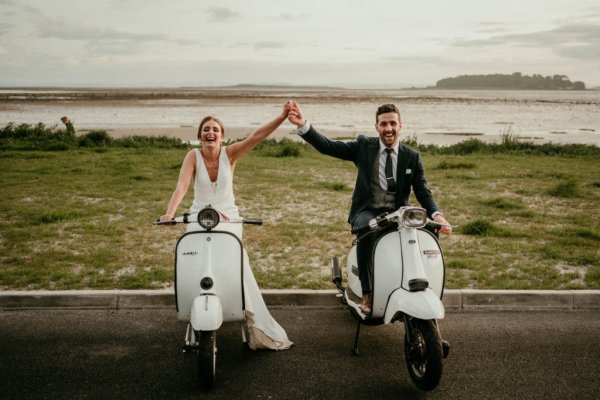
(352, 43)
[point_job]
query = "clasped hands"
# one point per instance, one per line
(294, 114)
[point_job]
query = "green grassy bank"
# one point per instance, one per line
(78, 214)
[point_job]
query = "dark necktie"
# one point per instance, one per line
(389, 173)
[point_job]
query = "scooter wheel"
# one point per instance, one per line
(207, 358)
(423, 353)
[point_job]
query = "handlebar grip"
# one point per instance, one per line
(159, 222)
(436, 225)
(358, 229)
(253, 221)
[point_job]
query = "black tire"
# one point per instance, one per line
(424, 354)
(207, 358)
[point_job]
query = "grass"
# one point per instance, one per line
(76, 217)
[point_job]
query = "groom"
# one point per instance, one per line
(387, 170)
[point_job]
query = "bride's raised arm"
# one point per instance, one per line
(236, 150)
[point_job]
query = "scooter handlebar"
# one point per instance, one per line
(373, 225)
(383, 222)
(179, 220)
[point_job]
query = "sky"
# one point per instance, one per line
(352, 43)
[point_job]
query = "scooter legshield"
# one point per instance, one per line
(218, 255)
(206, 313)
(423, 305)
(433, 261)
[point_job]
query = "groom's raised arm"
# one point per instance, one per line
(338, 149)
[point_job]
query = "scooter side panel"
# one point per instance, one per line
(433, 261)
(352, 271)
(387, 277)
(209, 254)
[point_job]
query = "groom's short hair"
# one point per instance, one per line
(386, 108)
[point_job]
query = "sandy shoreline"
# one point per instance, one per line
(287, 131)
(431, 116)
(188, 133)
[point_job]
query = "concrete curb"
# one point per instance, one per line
(457, 299)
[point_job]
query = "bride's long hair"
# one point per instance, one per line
(210, 118)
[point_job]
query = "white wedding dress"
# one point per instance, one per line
(265, 332)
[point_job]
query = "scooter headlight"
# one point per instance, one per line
(208, 218)
(414, 218)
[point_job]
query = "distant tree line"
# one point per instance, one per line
(512, 81)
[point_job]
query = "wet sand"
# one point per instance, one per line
(288, 131)
(432, 117)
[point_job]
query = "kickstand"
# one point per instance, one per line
(355, 348)
(245, 333)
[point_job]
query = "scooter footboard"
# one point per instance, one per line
(206, 313)
(423, 305)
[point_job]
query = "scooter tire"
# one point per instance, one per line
(207, 358)
(424, 354)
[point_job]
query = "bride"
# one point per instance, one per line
(211, 170)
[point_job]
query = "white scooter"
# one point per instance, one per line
(408, 284)
(209, 289)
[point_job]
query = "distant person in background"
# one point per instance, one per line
(68, 124)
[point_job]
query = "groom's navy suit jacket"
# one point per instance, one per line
(362, 152)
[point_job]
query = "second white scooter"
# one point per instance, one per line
(408, 284)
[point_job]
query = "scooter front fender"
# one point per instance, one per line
(423, 305)
(206, 313)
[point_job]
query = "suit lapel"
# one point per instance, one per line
(372, 153)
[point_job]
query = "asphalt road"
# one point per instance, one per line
(136, 354)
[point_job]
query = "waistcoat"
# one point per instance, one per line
(380, 198)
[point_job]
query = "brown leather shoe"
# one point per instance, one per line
(367, 303)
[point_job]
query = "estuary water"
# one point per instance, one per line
(559, 116)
